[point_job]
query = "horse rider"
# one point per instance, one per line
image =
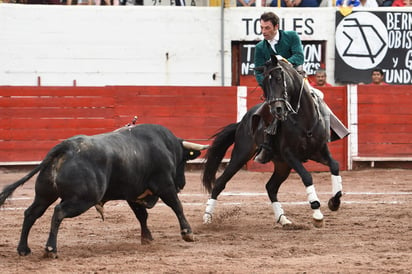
(288, 45)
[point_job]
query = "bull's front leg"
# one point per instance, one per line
(172, 200)
(141, 214)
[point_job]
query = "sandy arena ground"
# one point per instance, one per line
(371, 233)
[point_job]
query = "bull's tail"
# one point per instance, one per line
(223, 140)
(8, 190)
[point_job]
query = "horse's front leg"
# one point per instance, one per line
(217, 189)
(281, 173)
(310, 191)
(239, 158)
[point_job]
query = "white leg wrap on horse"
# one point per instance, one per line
(277, 208)
(210, 207)
(317, 215)
(280, 214)
(336, 184)
(312, 196)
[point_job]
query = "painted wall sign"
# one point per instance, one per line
(314, 52)
(303, 26)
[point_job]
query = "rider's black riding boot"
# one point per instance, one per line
(265, 153)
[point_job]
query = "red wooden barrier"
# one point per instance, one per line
(34, 119)
(384, 121)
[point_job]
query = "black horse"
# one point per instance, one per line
(300, 136)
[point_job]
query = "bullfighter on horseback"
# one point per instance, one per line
(288, 46)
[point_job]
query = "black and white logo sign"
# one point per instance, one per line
(362, 40)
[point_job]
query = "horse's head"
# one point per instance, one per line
(279, 83)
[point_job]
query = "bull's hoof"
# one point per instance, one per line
(24, 251)
(334, 202)
(188, 237)
(50, 253)
(318, 223)
(145, 242)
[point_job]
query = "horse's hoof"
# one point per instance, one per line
(334, 202)
(207, 218)
(317, 215)
(318, 223)
(293, 226)
(284, 221)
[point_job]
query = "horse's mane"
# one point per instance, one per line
(294, 75)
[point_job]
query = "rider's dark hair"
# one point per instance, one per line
(270, 16)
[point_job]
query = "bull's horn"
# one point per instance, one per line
(194, 146)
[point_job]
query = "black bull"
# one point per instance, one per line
(138, 164)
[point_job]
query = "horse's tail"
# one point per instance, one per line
(223, 140)
(55, 151)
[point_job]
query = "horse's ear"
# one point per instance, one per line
(260, 69)
(274, 60)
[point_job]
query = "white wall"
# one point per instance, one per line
(98, 45)
(129, 45)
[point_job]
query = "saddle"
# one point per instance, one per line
(263, 114)
(338, 129)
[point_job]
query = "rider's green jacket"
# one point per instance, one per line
(289, 47)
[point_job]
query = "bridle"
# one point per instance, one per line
(285, 96)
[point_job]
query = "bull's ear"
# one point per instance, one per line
(192, 154)
(260, 69)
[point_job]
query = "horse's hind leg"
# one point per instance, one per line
(334, 201)
(240, 156)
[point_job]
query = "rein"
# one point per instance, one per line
(288, 105)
